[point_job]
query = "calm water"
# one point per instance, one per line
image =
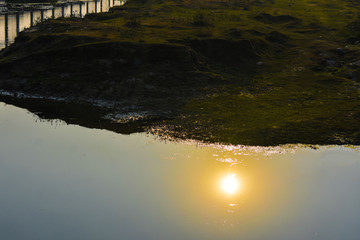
(13, 23)
(61, 181)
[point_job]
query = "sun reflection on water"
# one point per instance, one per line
(230, 184)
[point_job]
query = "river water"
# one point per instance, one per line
(14, 22)
(61, 181)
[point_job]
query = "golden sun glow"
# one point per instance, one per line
(230, 184)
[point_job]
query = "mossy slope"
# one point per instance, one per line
(241, 72)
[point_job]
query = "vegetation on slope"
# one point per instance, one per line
(242, 72)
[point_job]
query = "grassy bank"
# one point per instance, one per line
(31, 1)
(240, 72)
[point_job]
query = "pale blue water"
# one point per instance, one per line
(61, 181)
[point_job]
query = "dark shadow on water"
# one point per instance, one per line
(77, 113)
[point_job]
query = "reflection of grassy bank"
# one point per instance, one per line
(254, 72)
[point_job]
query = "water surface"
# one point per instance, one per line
(62, 181)
(14, 22)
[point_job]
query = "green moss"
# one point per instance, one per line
(290, 113)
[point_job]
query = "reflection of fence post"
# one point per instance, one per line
(80, 15)
(109, 4)
(87, 7)
(101, 7)
(95, 6)
(63, 11)
(53, 12)
(17, 23)
(6, 30)
(31, 18)
(71, 10)
(42, 15)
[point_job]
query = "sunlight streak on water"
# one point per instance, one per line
(230, 184)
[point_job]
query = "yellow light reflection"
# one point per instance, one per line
(230, 184)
